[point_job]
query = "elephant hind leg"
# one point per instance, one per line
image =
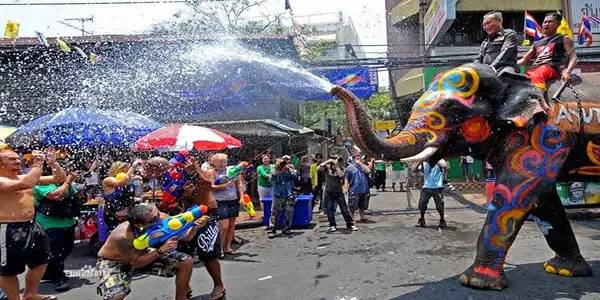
(568, 267)
(560, 237)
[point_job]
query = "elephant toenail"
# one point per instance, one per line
(565, 272)
(550, 269)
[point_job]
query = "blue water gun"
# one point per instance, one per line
(174, 226)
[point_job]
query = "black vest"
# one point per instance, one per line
(550, 51)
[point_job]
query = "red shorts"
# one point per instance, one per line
(541, 74)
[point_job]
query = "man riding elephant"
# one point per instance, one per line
(550, 54)
(499, 49)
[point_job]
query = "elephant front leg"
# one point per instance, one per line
(502, 224)
(557, 230)
(530, 163)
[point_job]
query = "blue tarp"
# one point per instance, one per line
(247, 83)
(174, 83)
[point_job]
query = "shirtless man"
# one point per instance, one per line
(22, 240)
(118, 259)
(208, 239)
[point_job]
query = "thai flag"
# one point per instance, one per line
(532, 29)
(593, 20)
(42, 39)
(585, 32)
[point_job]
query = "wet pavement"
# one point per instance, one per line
(391, 259)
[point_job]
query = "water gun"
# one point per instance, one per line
(232, 173)
(246, 203)
(174, 226)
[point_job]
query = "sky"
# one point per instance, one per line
(368, 17)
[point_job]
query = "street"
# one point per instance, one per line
(391, 259)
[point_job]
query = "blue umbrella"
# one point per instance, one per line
(88, 127)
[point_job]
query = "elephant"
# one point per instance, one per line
(470, 110)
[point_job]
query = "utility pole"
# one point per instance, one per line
(82, 27)
(566, 10)
(422, 12)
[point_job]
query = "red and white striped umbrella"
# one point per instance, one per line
(175, 137)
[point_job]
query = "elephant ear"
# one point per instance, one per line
(520, 103)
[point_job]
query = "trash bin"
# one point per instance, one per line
(562, 188)
(302, 211)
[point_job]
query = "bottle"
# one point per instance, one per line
(137, 186)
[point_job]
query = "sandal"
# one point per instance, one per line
(217, 296)
(45, 297)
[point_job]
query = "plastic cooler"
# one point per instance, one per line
(302, 211)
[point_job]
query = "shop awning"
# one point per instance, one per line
(404, 10)
(274, 128)
(409, 83)
(5, 131)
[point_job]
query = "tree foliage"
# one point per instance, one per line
(319, 49)
(221, 17)
(379, 107)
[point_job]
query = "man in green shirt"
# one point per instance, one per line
(56, 206)
(398, 175)
(380, 175)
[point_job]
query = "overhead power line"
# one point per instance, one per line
(94, 3)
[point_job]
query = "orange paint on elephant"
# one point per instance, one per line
(504, 220)
(566, 116)
(593, 153)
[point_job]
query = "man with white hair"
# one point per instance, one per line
(499, 49)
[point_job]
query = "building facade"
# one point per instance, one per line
(335, 31)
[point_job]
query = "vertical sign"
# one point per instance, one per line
(439, 17)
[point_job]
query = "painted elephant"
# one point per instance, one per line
(469, 111)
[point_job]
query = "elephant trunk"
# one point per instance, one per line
(400, 146)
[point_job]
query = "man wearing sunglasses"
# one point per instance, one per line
(118, 260)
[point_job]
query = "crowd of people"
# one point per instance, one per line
(139, 194)
(44, 196)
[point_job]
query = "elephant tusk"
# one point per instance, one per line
(423, 155)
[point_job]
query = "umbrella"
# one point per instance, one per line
(5, 131)
(83, 127)
(175, 137)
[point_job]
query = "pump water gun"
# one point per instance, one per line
(246, 203)
(232, 173)
(174, 226)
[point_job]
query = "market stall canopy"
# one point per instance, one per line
(175, 137)
(88, 127)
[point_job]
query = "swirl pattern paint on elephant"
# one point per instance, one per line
(469, 111)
